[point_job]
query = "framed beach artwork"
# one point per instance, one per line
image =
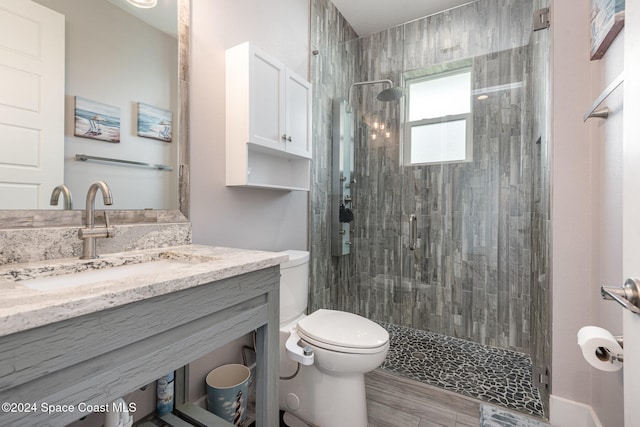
(607, 19)
(154, 122)
(96, 120)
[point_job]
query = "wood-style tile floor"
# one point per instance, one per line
(394, 401)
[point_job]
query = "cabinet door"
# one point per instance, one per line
(267, 101)
(298, 115)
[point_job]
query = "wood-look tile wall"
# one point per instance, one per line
(482, 230)
(332, 72)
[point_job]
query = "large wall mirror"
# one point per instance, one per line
(129, 63)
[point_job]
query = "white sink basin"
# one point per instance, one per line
(62, 274)
(52, 283)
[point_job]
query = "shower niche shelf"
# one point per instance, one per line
(268, 122)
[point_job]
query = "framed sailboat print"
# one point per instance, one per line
(154, 122)
(96, 120)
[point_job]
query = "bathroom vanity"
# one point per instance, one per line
(68, 349)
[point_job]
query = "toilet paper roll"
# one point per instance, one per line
(595, 342)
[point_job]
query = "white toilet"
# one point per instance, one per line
(325, 355)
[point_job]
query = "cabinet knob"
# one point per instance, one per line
(286, 138)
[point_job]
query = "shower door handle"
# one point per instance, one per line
(413, 231)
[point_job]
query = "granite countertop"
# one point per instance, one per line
(23, 308)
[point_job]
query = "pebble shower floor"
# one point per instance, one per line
(493, 375)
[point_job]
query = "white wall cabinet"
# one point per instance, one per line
(268, 122)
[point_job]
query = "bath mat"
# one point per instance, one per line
(492, 416)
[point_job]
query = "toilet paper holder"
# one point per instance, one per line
(627, 296)
(606, 355)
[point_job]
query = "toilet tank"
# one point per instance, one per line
(294, 285)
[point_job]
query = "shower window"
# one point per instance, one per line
(439, 118)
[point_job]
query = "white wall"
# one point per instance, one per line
(240, 217)
(631, 202)
(607, 226)
(586, 215)
(118, 60)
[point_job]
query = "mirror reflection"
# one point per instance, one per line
(120, 102)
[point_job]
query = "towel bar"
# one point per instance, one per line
(603, 113)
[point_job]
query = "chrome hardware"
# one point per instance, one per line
(90, 233)
(603, 113)
(84, 158)
(540, 377)
(627, 296)
(413, 231)
(619, 339)
(605, 355)
(307, 351)
(541, 19)
(55, 195)
(286, 138)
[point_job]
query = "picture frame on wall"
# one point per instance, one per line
(607, 19)
(154, 122)
(96, 120)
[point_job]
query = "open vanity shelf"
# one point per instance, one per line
(95, 358)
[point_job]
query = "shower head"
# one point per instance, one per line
(391, 94)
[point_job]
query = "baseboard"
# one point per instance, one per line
(568, 413)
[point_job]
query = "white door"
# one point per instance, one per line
(631, 208)
(31, 104)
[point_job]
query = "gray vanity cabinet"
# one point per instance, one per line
(93, 359)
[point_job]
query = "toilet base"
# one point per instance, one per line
(325, 400)
(290, 420)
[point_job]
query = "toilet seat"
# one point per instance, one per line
(343, 332)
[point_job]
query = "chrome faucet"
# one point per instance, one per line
(90, 233)
(55, 195)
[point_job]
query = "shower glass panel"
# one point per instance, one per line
(479, 193)
(470, 273)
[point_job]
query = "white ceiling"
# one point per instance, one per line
(365, 16)
(370, 16)
(163, 17)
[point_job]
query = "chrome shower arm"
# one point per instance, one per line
(372, 82)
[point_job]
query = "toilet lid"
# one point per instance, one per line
(338, 328)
